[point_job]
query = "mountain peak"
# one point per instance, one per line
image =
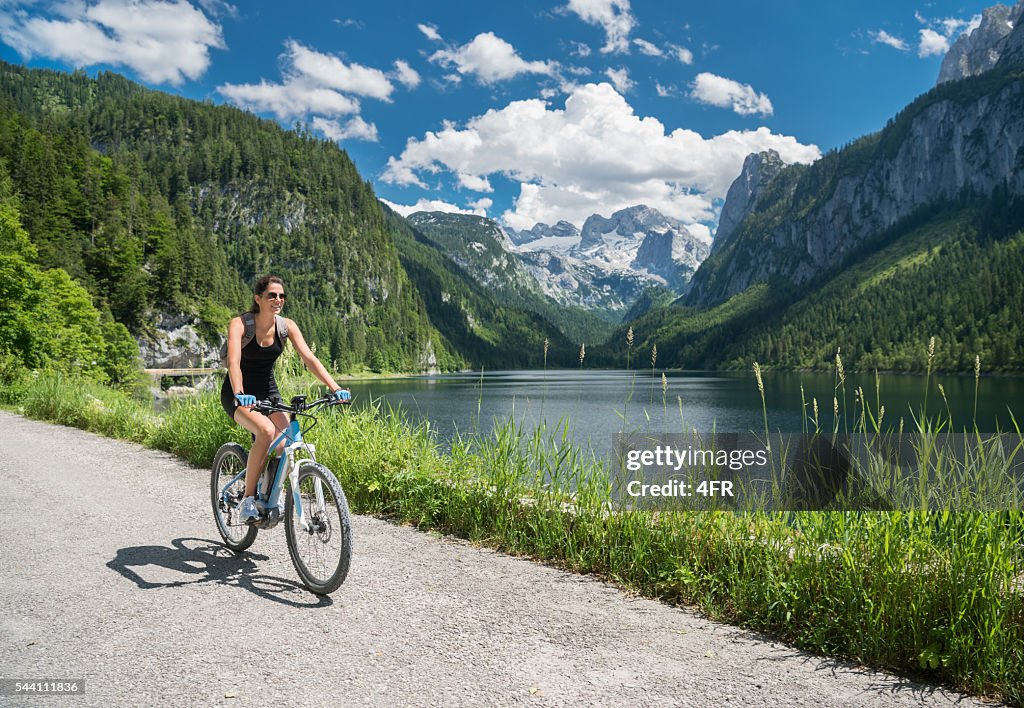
(759, 168)
(629, 224)
(977, 51)
(562, 230)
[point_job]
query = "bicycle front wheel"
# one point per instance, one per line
(322, 550)
(229, 461)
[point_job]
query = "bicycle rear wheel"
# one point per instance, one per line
(322, 553)
(229, 461)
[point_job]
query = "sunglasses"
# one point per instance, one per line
(274, 296)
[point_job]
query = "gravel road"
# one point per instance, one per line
(113, 572)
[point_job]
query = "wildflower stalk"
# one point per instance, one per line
(764, 406)
(654, 361)
(664, 399)
(632, 379)
(841, 375)
(928, 377)
(803, 409)
(977, 374)
(544, 393)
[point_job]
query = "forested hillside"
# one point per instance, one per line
(157, 204)
(46, 318)
(474, 243)
(492, 334)
(910, 233)
(953, 274)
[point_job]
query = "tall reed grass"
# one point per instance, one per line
(933, 593)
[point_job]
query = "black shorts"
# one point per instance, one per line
(229, 404)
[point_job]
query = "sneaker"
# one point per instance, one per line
(281, 499)
(247, 511)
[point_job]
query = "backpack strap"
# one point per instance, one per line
(249, 332)
(249, 323)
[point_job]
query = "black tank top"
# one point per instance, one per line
(257, 365)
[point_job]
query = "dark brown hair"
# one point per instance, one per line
(260, 287)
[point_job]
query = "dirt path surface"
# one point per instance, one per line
(112, 572)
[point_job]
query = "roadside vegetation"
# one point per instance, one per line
(938, 594)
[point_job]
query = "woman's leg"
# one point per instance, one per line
(265, 431)
(280, 420)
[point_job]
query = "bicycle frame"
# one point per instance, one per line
(292, 437)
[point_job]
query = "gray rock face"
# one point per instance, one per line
(177, 345)
(758, 170)
(655, 252)
(563, 229)
(480, 246)
(1012, 50)
(616, 258)
(575, 283)
(980, 50)
(949, 147)
(625, 223)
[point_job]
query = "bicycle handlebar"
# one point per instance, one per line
(298, 405)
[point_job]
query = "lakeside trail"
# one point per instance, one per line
(113, 572)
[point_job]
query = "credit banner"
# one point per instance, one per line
(792, 472)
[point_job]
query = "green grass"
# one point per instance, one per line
(930, 593)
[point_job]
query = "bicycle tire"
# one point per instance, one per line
(330, 525)
(230, 459)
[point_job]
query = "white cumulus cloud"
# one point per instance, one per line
(475, 208)
(219, 8)
(682, 54)
(330, 72)
(620, 79)
(613, 15)
(430, 32)
(883, 37)
(490, 58)
(726, 93)
(164, 42)
(313, 82)
(354, 129)
(594, 155)
(289, 100)
(938, 34)
(481, 206)
(648, 48)
(406, 75)
(579, 49)
(932, 43)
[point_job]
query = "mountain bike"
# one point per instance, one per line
(317, 524)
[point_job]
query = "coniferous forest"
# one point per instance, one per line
(121, 206)
(159, 205)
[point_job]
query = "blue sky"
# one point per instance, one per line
(527, 111)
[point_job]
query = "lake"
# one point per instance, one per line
(599, 403)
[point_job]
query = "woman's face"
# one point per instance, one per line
(272, 298)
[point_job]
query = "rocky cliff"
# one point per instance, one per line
(561, 230)
(978, 51)
(758, 170)
(613, 259)
(962, 138)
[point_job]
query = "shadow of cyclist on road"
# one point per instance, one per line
(198, 560)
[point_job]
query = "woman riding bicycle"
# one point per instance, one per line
(255, 341)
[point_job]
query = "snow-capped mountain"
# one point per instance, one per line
(562, 234)
(605, 267)
(608, 263)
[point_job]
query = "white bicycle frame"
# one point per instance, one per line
(289, 465)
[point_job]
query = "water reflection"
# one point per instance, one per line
(597, 404)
